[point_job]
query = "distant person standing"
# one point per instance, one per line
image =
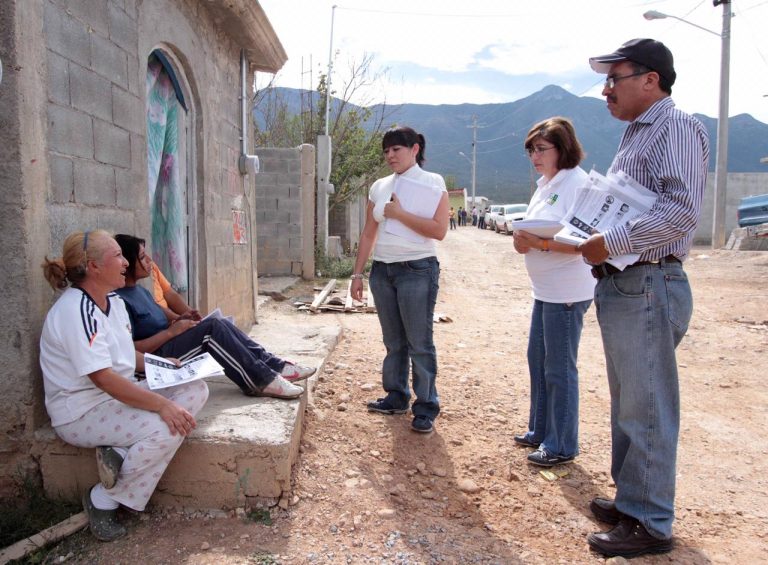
(464, 217)
(474, 215)
(452, 218)
(481, 220)
(460, 214)
(644, 310)
(404, 280)
(562, 288)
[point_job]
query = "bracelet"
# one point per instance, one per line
(357, 276)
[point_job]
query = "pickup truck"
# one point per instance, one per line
(753, 210)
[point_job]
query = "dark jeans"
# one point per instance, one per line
(405, 295)
(245, 362)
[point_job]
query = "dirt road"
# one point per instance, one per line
(368, 490)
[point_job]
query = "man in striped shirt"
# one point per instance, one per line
(644, 310)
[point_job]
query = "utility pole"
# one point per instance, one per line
(474, 127)
(721, 164)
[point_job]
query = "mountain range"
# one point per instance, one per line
(503, 171)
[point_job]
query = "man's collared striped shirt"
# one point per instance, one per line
(667, 151)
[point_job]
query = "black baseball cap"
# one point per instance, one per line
(649, 53)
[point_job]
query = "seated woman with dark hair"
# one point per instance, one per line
(256, 371)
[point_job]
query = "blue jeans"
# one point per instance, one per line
(644, 313)
(405, 295)
(553, 347)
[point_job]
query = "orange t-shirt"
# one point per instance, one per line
(159, 285)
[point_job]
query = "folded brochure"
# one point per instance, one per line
(162, 373)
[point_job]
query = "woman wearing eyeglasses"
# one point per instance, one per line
(562, 288)
(88, 362)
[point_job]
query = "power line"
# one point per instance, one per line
(428, 14)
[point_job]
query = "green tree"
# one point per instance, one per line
(356, 129)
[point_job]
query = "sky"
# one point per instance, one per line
(494, 51)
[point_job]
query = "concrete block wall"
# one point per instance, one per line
(284, 219)
(739, 185)
(95, 118)
(346, 221)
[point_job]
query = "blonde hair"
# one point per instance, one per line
(72, 266)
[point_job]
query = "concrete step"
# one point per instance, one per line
(243, 447)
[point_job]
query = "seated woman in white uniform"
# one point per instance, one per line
(88, 362)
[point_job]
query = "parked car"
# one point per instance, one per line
(491, 215)
(753, 210)
(512, 213)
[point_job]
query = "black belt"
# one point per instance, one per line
(606, 269)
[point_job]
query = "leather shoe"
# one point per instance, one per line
(605, 510)
(525, 441)
(628, 538)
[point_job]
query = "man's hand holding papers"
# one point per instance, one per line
(605, 202)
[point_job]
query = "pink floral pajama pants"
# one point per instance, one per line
(147, 437)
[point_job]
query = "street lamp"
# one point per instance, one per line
(330, 70)
(474, 168)
(721, 160)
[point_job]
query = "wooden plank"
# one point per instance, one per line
(348, 302)
(320, 298)
(50, 535)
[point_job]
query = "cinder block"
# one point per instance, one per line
(112, 144)
(138, 152)
(62, 179)
(92, 12)
(286, 230)
(268, 229)
(70, 132)
(267, 204)
(289, 179)
(58, 79)
(276, 165)
(94, 183)
(277, 192)
(289, 205)
(264, 180)
(282, 217)
(90, 92)
(122, 29)
(127, 112)
(130, 8)
(109, 60)
(65, 35)
(128, 189)
(135, 75)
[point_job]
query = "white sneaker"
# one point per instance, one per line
(280, 388)
(293, 373)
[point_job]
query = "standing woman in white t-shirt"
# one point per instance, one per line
(91, 394)
(404, 279)
(563, 288)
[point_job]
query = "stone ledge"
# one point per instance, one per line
(243, 447)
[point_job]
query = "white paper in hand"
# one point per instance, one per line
(541, 228)
(417, 198)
